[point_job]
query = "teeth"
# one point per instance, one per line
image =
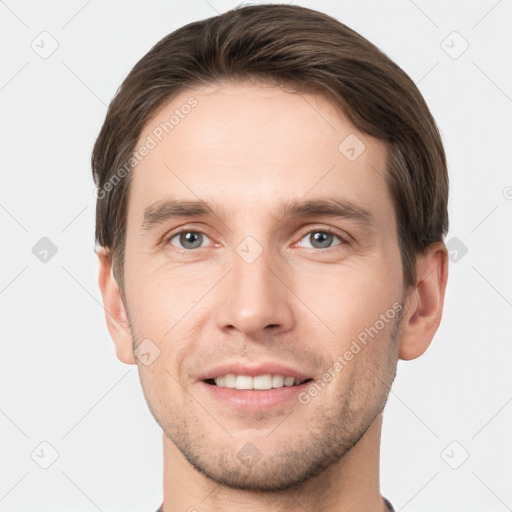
(260, 382)
(289, 381)
(277, 381)
(244, 382)
(229, 380)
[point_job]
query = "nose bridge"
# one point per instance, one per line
(255, 297)
(251, 274)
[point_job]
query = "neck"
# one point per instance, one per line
(352, 484)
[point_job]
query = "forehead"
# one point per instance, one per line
(247, 145)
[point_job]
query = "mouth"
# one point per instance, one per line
(254, 387)
(263, 382)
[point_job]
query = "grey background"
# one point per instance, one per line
(60, 382)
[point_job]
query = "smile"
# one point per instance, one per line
(258, 382)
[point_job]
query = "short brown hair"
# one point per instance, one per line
(293, 46)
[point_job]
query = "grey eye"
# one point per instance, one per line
(189, 240)
(319, 239)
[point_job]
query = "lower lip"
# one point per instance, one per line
(252, 399)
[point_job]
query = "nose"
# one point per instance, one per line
(254, 297)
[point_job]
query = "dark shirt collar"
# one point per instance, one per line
(390, 507)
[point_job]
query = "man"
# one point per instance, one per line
(272, 202)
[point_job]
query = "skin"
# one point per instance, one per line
(250, 147)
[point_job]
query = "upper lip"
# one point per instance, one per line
(252, 370)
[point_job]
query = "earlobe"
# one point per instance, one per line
(115, 312)
(424, 304)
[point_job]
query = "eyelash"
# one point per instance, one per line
(343, 239)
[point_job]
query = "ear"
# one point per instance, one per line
(424, 304)
(115, 312)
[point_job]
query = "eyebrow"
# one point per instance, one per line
(166, 210)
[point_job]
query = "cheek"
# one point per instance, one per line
(170, 306)
(161, 295)
(349, 300)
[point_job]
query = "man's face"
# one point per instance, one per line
(249, 290)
